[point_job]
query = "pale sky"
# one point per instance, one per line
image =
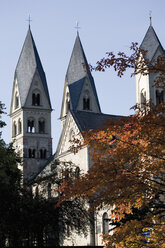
(107, 25)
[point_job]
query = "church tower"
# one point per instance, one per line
(31, 110)
(79, 89)
(145, 89)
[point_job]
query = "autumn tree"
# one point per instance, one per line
(127, 175)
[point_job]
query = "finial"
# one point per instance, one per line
(29, 20)
(150, 16)
(77, 26)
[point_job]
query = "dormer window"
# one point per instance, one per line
(159, 96)
(36, 99)
(86, 101)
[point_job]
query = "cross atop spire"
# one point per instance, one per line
(29, 20)
(77, 26)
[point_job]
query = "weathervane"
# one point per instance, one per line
(29, 20)
(77, 26)
(150, 15)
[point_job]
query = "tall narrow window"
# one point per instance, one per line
(16, 101)
(41, 126)
(30, 153)
(19, 127)
(143, 97)
(14, 129)
(38, 100)
(67, 103)
(105, 223)
(43, 153)
(30, 126)
(86, 101)
(33, 153)
(159, 97)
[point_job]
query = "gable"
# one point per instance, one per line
(88, 91)
(69, 131)
(37, 96)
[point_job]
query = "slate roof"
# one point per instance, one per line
(150, 43)
(77, 72)
(89, 120)
(28, 63)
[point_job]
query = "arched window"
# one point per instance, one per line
(16, 100)
(77, 171)
(143, 97)
(105, 223)
(14, 129)
(67, 103)
(159, 96)
(32, 153)
(19, 127)
(49, 190)
(43, 153)
(86, 101)
(41, 126)
(36, 99)
(71, 135)
(30, 126)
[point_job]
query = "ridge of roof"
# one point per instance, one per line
(89, 120)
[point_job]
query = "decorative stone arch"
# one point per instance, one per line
(105, 223)
(31, 128)
(86, 100)
(36, 97)
(41, 125)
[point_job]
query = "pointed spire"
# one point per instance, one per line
(28, 63)
(76, 76)
(78, 64)
(151, 43)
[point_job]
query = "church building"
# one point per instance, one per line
(80, 111)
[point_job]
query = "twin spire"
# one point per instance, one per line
(28, 64)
